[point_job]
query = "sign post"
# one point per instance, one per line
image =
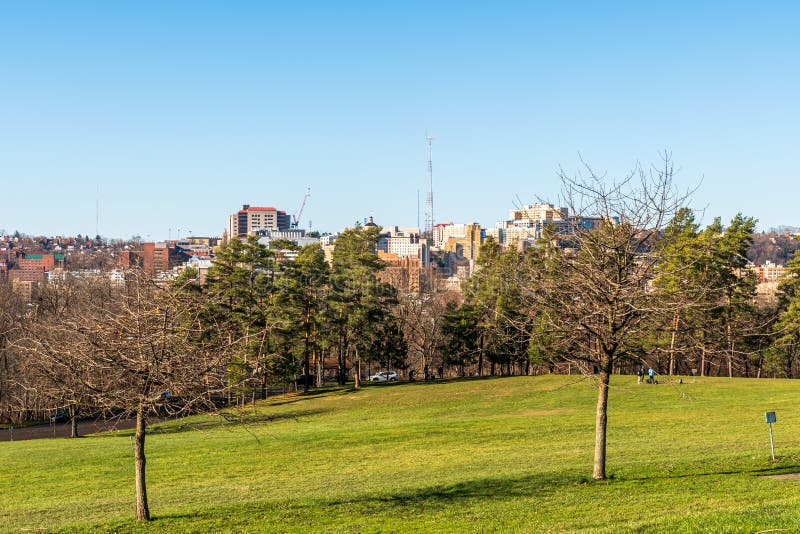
(771, 419)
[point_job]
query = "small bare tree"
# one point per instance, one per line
(420, 316)
(589, 290)
(148, 354)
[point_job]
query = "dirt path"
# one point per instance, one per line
(62, 430)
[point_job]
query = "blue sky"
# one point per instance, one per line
(179, 111)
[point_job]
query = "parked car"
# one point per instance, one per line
(383, 376)
(59, 418)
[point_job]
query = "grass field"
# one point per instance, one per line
(491, 455)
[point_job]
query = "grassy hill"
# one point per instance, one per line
(491, 455)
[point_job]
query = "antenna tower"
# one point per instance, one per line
(429, 204)
(97, 212)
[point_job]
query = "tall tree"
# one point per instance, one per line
(359, 301)
(241, 290)
(595, 299)
(304, 290)
(786, 346)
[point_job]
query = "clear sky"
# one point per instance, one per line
(178, 112)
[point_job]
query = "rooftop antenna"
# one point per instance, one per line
(429, 222)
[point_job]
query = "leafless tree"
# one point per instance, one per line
(590, 291)
(12, 311)
(420, 317)
(146, 354)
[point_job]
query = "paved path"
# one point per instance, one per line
(63, 430)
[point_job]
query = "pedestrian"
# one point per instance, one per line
(639, 375)
(651, 375)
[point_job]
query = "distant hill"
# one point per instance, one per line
(773, 246)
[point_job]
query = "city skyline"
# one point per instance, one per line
(178, 116)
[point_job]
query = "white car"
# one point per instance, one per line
(383, 376)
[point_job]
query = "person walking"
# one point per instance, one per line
(639, 375)
(651, 376)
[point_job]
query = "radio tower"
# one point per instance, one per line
(429, 204)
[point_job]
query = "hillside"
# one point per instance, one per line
(491, 455)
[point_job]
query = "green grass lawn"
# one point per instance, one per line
(491, 455)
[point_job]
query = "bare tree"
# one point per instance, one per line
(589, 289)
(11, 313)
(420, 317)
(148, 354)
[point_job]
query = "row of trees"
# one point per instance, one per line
(144, 349)
(635, 280)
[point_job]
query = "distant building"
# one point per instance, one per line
(403, 243)
(24, 289)
(250, 219)
(769, 272)
(32, 267)
(538, 213)
(443, 231)
(525, 225)
(403, 273)
(295, 235)
(468, 246)
(117, 277)
(153, 259)
(195, 246)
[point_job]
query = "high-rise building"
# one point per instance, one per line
(404, 242)
(538, 212)
(250, 219)
(525, 225)
(468, 246)
(155, 258)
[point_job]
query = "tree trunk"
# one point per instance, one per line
(672, 345)
(142, 510)
(307, 351)
(601, 421)
(320, 369)
(729, 335)
(480, 358)
(74, 411)
(703, 361)
(357, 371)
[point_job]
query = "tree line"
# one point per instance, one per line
(632, 280)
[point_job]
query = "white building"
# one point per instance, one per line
(296, 236)
(525, 225)
(444, 231)
(405, 242)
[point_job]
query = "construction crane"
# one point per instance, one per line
(297, 216)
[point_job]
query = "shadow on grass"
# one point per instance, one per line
(312, 394)
(230, 421)
(490, 488)
(430, 498)
(777, 470)
(410, 509)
